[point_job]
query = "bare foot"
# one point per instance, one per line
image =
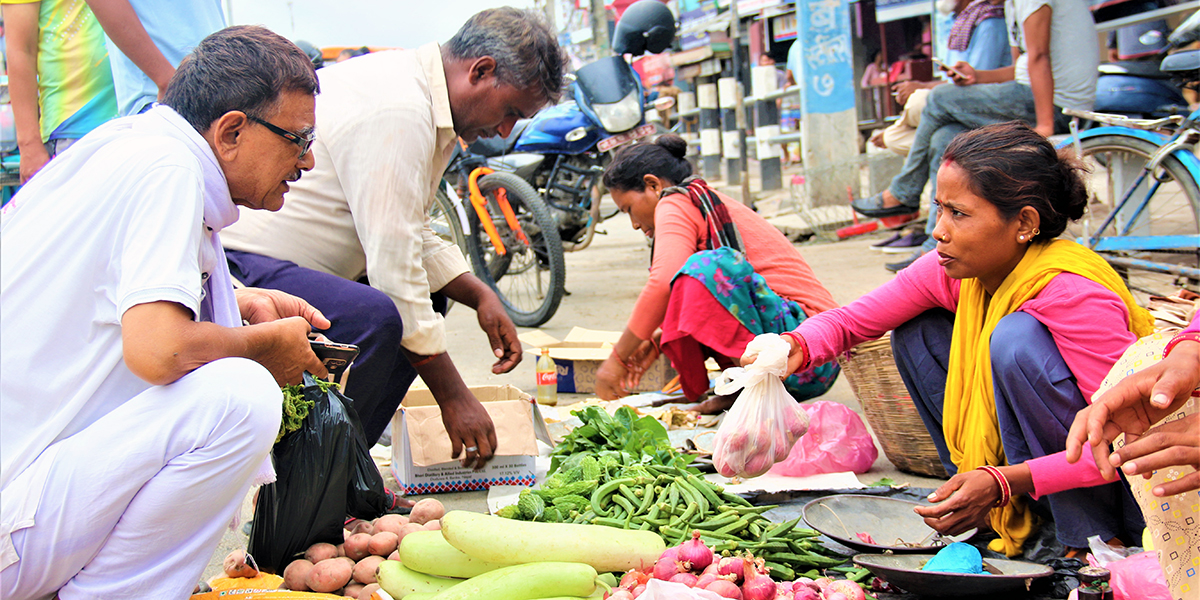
(716, 405)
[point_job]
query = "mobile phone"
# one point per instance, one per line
(336, 357)
(947, 68)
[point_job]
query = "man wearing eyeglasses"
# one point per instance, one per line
(387, 123)
(135, 409)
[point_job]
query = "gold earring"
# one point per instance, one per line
(1036, 231)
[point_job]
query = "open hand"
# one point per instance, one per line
(610, 380)
(1169, 444)
(502, 334)
(962, 503)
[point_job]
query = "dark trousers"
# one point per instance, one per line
(1036, 400)
(361, 315)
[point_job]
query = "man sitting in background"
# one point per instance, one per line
(135, 410)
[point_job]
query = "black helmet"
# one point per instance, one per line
(313, 52)
(646, 26)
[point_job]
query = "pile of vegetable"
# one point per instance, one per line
(672, 501)
(742, 577)
(480, 556)
(623, 436)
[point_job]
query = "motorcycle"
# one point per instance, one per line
(1139, 88)
(538, 190)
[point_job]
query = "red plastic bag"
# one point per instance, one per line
(765, 421)
(837, 441)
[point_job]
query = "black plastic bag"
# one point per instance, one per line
(324, 472)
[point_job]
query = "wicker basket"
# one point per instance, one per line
(871, 370)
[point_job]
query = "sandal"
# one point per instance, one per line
(873, 207)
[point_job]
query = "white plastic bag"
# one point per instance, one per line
(765, 421)
(656, 589)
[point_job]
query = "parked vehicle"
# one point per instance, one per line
(547, 171)
(1145, 212)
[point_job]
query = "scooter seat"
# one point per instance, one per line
(1145, 70)
(499, 146)
(1181, 62)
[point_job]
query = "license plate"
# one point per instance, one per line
(609, 143)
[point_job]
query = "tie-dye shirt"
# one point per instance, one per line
(75, 85)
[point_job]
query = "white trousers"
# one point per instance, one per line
(134, 505)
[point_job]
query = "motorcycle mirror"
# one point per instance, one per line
(1186, 33)
(664, 103)
(646, 26)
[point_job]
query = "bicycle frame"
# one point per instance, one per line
(1174, 146)
(485, 219)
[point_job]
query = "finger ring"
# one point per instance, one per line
(472, 449)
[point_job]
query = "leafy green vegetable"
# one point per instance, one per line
(613, 441)
(296, 408)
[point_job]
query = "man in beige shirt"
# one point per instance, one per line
(387, 123)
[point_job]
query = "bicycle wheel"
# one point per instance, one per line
(531, 276)
(1171, 209)
(445, 220)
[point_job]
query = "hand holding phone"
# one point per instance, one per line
(955, 73)
(336, 357)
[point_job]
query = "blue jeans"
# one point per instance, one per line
(1036, 400)
(952, 109)
(361, 315)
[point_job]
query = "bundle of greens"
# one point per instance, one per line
(295, 407)
(624, 436)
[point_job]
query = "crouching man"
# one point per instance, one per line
(135, 409)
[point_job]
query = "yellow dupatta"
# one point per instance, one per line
(969, 413)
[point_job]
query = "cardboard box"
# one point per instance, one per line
(421, 449)
(578, 357)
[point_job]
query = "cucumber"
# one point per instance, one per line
(526, 582)
(399, 581)
(505, 541)
(428, 552)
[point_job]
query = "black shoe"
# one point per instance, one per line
(906, 244)
(880, 245)
(873, 207)
(896, 267)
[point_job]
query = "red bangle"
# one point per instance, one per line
(1002, 481)
(1186, 336)
(800, 344)
(624, 363)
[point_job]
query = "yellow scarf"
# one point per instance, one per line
(969, 414)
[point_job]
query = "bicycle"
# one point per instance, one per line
(1144, 215)
(509, 235)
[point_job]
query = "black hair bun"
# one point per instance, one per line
(674, 144)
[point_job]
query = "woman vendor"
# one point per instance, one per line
(719, 276)
(1001, 336)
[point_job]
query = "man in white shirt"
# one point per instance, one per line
(387, 123)
(135, 409)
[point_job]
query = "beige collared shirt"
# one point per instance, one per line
(384, 136)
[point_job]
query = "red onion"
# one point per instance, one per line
(631, 579)
(685, 578)
(711, 569)
(667, 568)
(725, 589)
(836, 596)
(757, 585)
(639, 590)
(732, 565)
(695, 554)
(705, 579)
(822, 583)
(848, 588)
(804, 582)
(805, 593)
(671, 553)
(621, 595)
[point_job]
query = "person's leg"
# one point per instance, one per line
(134, 505)
(361, 315)
(1036, 402)
(922, 350)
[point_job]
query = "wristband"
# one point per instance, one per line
(1186, 336)
(425, 360)
(1002, 481)
(624, 363)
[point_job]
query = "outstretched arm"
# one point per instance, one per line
(124, 28)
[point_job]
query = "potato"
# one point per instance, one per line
(426, 510)
(362, 527)
(320, 551)
(407, 529)
(352, 590)
(235, 565)
(295, 574)
(329, 575)
(383, 543)
(434, 525)
(366, 592)
(341, 549)
(364, 571)
(356, 546)
(391, 523)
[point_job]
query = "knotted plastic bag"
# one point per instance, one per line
(837, 441)
(765, 421)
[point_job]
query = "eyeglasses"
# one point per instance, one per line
(304, 141)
